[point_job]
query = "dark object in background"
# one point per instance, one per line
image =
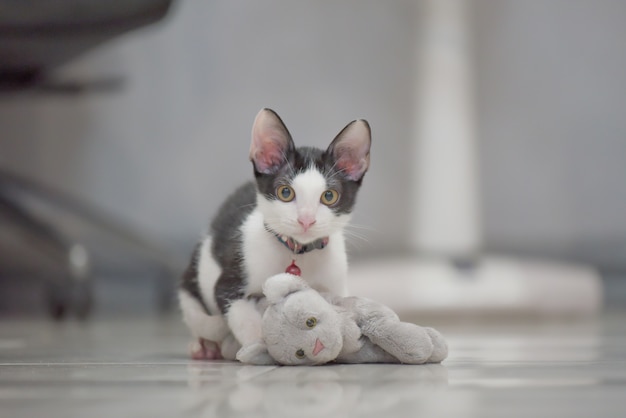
(37, 36)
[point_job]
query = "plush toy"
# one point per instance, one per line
(302, 327)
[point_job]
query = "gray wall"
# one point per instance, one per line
(552, 107)
(165, 151)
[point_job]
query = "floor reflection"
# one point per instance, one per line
(335, 390)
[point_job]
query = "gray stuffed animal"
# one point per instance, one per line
(302, 327)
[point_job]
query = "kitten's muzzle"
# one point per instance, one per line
(306, 222)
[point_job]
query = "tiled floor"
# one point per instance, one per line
(138, 368)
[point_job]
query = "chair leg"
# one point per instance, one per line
(67, 285)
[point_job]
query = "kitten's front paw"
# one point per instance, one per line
(229, 348)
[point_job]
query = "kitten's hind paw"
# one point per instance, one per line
(202, 349)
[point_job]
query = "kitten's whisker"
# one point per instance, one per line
(361, 227)
(288, 162)
(357, 241)
(331, 171)
(334, 173)
(355, 235)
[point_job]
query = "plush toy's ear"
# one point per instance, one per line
(277, 287)
(256, 354)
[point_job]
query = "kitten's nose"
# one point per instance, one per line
(306, 222)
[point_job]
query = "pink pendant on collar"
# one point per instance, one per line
(293, 269)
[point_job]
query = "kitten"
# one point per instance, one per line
(294, 212)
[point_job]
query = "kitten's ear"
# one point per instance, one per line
(351, 149)
(271, 142)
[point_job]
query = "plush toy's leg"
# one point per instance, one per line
(409, 343)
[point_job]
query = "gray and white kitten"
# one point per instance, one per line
(294, 212)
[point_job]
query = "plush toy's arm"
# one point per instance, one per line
(255, 353)
(440, 346)
(367, 353)
(365, 312)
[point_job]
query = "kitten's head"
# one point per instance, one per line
(307, 193)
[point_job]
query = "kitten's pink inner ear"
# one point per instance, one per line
(266, 155)
(351, 149)
(271, 142)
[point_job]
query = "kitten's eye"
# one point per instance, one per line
(330, 197)
(311, 322)
(300, 353)
(285, 193)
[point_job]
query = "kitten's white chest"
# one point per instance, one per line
(265, 256)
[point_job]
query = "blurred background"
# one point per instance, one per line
(116, 151)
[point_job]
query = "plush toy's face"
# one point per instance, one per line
(303, 329)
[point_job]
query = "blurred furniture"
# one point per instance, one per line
(37, 36)
(449, 272)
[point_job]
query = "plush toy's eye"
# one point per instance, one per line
(311, 322)
(330, 197)
(285, 193)
(300, 353)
